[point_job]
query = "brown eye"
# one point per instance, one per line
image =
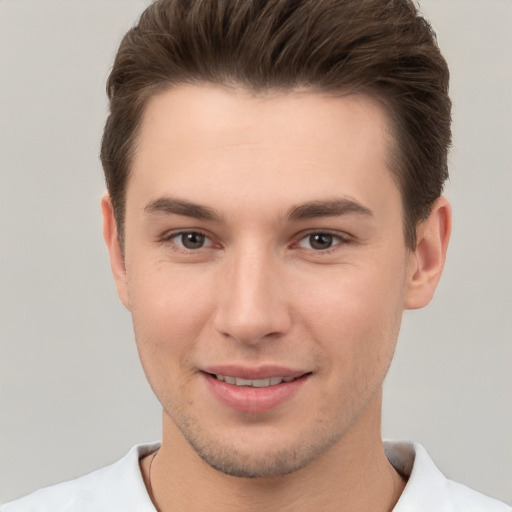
(191, 240)
(320, 241)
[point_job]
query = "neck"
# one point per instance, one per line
(354, 475)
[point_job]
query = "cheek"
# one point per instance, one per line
(355, 316)
(169, 307)
(169, 311)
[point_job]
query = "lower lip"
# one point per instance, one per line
(251, 399)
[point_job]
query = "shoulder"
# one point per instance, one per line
(466, 499)
(115, 487)
(428, 489)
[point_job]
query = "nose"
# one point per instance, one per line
(252, 305)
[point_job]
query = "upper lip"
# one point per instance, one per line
(253, 373)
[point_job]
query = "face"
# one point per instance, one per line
(265, 270)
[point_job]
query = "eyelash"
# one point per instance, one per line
(339, 239)
(169, 237)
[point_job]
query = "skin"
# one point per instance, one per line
(319, 291)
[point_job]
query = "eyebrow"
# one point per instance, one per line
(309, 210)
(171, 206)
(332, 208)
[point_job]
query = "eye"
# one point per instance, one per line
(191, 240)
(320, 241)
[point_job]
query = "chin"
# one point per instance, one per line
(268, 465)
(258, 455)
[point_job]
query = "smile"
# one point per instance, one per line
(255, 383)
(254, 391)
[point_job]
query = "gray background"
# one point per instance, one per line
(72, 394)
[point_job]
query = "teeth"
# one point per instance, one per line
(259, 383)
(243, 382)
(256, 383)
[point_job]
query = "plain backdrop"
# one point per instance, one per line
(72, 394)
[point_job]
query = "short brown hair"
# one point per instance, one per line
(383, 48)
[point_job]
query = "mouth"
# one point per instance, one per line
(253, 383)
(254, 391)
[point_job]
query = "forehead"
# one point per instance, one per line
(206, 141)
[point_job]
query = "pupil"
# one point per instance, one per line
(320, 241)
(192, 240)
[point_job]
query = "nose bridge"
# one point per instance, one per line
(252, 305)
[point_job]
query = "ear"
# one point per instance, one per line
(114, 248)
(427, 261)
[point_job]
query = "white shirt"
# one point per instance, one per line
(120, 487)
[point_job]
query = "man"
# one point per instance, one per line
(275, 172)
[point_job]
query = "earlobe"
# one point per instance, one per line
(428, 259)
(117, 262)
